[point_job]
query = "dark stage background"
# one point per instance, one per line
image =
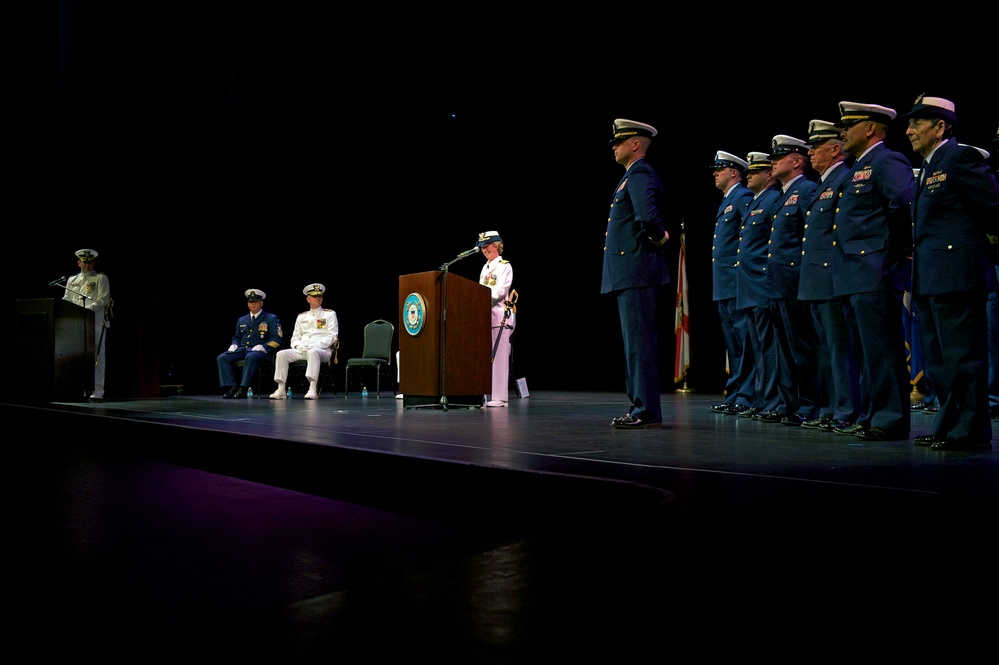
(203, 151)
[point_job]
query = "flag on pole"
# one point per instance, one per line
(682, 326)
(913, 348)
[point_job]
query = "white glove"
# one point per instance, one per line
(259, 347)
(231, 348)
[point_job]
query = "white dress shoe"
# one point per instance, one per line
(495, 402)
(312, 394)
(279, 394)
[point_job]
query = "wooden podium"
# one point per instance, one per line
(55, 358)
(445, 349)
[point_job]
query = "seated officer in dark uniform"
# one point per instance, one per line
(257, 338)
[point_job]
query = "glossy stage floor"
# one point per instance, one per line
(350, 528)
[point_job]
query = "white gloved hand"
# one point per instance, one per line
(259, 347)
(231, 348)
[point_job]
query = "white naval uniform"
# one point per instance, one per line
(312, 340)
(95, 286)
(497, 274)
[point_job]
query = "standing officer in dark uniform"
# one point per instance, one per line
(751, 285)
(955, 207)
(873, 236)
(634, 269)
(837, 367)
(257, 337)
(797, 371)
(729, 171)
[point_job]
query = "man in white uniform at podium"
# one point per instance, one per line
(91, 290)
(497, 274)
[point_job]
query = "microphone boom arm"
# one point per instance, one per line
(468, 252)
(83, 295)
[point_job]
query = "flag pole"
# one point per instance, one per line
(682, 329)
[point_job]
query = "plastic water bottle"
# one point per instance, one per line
(249, 392)
(289, 392)
(364, 391)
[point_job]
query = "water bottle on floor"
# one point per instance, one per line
(249, 393)
(289, 392)
(364, 391)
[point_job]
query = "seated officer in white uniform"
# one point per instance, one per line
(316, 331)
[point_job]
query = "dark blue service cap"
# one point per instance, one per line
(488, 238)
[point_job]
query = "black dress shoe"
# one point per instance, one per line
(630, 422)
(750, 412)
(965, 444)
(830, 425)
(95, 400)
(878, 434)
(926, 439)
(769, 416)
(930, 409)
(729, 409)
(228, 392)
(239, 393)
(848, 429)
(795, 419)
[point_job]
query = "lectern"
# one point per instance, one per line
(55, 356)
(444, 340)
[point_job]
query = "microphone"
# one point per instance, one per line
(460, 257)
(56, 281)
